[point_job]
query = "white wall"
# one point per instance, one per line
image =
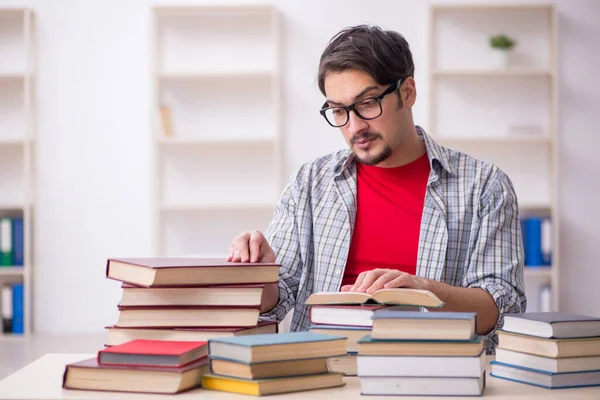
(94, 138)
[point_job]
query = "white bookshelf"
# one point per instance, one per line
(218, 170)
(504, 115)
(17, 141)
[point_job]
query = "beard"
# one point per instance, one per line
(372, 157)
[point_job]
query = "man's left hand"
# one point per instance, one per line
(371, 281)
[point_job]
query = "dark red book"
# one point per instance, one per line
(173, 271)
(90, 375)
(156, 353)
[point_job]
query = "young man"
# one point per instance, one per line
(396, 209)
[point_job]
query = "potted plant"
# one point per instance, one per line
(502, 44)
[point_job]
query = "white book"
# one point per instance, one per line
(422, 386)
(431, 366)
(549, 364)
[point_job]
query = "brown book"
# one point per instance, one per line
(117, 335)
(89, 375)
(266, 370)
(173, 271)
(556, 348)
(171, 317)
(398, 296)
(226, 295)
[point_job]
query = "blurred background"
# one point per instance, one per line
(145, 128)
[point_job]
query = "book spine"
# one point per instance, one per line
(18, 241)
(18, 309)
(6, 306)
(6, 242)
(533, 242)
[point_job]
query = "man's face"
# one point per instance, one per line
(373, 141)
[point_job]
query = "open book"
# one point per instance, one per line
(399, 296)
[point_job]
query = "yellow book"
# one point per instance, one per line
(263, 387)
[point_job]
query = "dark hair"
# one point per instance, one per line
(385, 55)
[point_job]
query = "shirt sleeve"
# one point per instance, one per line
(282, 236)
(496, 263)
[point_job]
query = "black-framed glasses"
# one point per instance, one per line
(369, 108)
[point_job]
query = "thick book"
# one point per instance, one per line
(263, 387)
(432, 366)
(267, 370)
(558, 325)
(195, 316)
(165, 272)
(548, 380)
(117, 335)
(391, 323)
(422, 386)
(399, 296)
(548, 364)
(557, 348)
(154, 353)
(352, 333)
(277, 347)
(89, 375)
(371, 347)
(226, 295)
(343, 315)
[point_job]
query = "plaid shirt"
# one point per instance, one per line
(470, 233)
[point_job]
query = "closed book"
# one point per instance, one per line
(117, 335)
(6, 306)
(89, 375)
(548, 364)
(153, 353)
(422, 386)
(262, 387)
(195, 316)
(226, 295)
(559, 325)
(392, 323)
(343, 315)
(165, 272)
(398, 296)
(352, 333)
(6, 242)
(380, 347)
(548, 380)
(533, 242)
(18, 303)
(277, 347)
(343, 364)
(558, 348)
(432, 366)
(267, 370)
(18, 241)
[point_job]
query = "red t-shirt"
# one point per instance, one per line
(388, 218)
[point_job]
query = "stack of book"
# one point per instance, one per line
(273, 363)
(141, 366)
(188, 299)
(422, 353)
(550, 349)
(349, 314)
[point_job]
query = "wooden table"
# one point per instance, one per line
(42, 379)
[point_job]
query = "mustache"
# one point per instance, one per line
(365, 136)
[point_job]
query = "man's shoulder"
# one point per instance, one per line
(323, 166)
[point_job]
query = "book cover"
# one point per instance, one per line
(397, 296)
(154, 352)
(6, 242)
(552, 324)
(18, 322)
(276, 339)
(394, 313)
(18, 241)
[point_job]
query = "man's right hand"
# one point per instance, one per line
(250, 246)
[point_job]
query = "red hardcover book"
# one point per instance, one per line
(168, 272)
(157, 353)
(90, 375)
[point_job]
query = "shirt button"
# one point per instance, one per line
(338, 271)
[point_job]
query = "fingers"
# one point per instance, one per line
(359, 280)
(400, 281)
(366, 279)
(346, 288)
(238, 249)
(250, 247)
(382, 280)
(256, 241)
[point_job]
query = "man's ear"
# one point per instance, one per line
(408, 92)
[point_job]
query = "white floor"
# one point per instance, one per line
(16, 352)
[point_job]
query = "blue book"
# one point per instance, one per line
(277, 347)
(560, 325)
(533, 242)
(391, 323)
(18, 241)
(18, 323)
(545, 379)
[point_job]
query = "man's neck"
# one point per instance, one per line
(411, 148)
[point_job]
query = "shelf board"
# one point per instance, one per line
(535, 206)
(227, 140)
(12, 270)
(492, 73)
(514, 139)
(491, 7)
(13, 141)
(216, 74)
(12, 75)
(11, 337)
(217, 206)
